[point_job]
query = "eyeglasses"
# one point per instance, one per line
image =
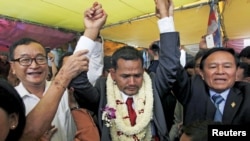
(26, 61)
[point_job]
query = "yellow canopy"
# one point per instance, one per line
(131, 21)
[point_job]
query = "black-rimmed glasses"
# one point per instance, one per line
(26, 61)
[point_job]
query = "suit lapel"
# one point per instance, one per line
(232, 105)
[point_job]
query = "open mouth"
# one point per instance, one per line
(34, 73)
(220, 80)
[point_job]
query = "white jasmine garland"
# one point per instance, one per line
(120, 127)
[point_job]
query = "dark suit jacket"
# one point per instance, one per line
(193, 93)
(161, 84)
(168, 100)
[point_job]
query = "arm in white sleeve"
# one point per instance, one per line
(85, 43)
(166, 24)
(95, 56)
(96, 63)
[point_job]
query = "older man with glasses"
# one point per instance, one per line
(46, 102)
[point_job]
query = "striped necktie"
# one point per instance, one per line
(217, 98)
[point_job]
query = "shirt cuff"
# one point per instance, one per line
(85, 43)
(166, 25)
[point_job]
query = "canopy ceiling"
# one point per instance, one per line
(130, 21)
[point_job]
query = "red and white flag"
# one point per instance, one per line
(214, 25)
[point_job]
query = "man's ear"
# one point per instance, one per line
(112, 72)
(12, 68)
(13, 121)
(201, 74)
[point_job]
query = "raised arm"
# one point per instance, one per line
(94, 18)
(169, 57)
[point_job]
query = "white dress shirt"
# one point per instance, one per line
(63, 119)
(223, 95)
(166, 25)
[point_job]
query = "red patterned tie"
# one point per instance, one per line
(131, 112)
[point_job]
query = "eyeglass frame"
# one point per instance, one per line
(30, 60)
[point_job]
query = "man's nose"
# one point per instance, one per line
(131, 80)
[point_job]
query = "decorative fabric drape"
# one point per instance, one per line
(11, 31)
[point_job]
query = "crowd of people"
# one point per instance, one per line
(163, 103)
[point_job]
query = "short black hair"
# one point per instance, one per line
(23, 41)
(216, 49)
(190, 64)
(198, 130)
(126, 53)
(245, 52)
(246, 68)
(200, 54)
(155, 46)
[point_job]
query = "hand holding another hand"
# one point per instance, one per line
(75, 64)
(94, 18)
(164, 8)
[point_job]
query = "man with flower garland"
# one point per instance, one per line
(127, 80)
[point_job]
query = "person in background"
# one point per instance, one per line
(189, 67)
(53, 69)
(107, 66)
(86, 127)
(197, 131)
(6, 70)
(12, 113)
(244, 55)
(4, 66)
(243, 72)
(12, 78)
(175, 130)
(197, 60)
(203, 43)
(153, 51)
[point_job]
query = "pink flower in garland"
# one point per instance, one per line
(108, 115)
